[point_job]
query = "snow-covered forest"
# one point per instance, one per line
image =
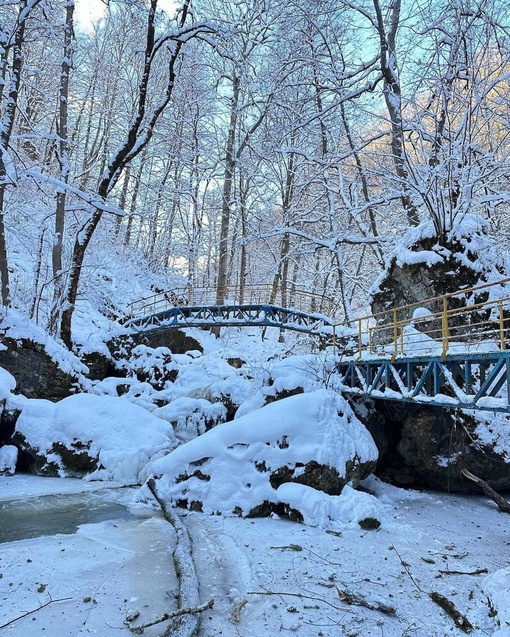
(356, 152)
(237, 143)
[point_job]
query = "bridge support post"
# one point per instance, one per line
(444, 327)
(501, 325)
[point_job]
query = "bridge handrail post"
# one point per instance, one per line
(360, 339)
(501, 325)
(444, 327)
(395, 332)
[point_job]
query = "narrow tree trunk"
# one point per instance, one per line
(393, 99)
(228, 179)
(63, 160)
(6, 128)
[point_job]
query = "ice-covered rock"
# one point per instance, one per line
(8, 459)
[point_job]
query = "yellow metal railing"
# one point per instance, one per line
(293, 297)
(474, 317)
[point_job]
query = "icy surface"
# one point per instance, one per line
(291, 575)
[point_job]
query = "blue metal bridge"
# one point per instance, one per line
(448, 351)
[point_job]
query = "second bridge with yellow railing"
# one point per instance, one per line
(448, 351)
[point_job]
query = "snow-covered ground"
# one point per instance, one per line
(326, 578)
(266, 576)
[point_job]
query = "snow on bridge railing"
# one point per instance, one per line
(471, 319)
(292, 298)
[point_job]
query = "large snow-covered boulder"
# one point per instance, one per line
(423, 266)
(312, 439)
(101, 437)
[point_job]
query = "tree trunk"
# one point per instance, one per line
(6, 128)
(228, 178)
(393, 99)
(63, 160)
(137, 138)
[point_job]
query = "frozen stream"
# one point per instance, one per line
(55, 514)
(74, 560)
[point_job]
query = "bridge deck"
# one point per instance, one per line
(448, 351)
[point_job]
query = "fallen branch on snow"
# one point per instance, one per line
(479, 571)
(300, 595)
(449, 607)
(356, 600)
(138, 630)
(185, 618)
(503, 505)
(30, 612)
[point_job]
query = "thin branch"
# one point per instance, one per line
(30, 612)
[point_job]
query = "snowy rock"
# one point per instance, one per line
(175, 340)
(37, 373)
(191, 417)
(153, 366)
(8, 459)
(433, 445)
(423, 266)
(101, 437)
(428, 446)
(312, 439)
(316, 508)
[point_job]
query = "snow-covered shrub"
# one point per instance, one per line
(191, 417)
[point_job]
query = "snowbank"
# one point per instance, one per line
(121, 437)
(238, 466)
(497, 588)
(322, 510)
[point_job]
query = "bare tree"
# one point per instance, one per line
(63, 158)
(11, 63)
(138, 135)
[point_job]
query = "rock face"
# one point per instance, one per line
(424, 266)
(427, 446)
(175, 340)
(423, 445)
(36, 373)
(237, 468)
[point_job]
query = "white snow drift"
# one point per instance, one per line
(124, 437)
(229, 467)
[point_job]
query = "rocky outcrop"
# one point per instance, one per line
(424, 266)
(423, 445)
(175, 340)
(37, 374)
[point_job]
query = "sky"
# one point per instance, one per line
(88, 11)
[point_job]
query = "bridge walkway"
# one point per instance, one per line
(449, 351)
